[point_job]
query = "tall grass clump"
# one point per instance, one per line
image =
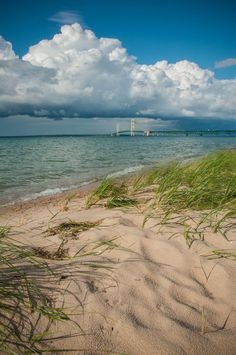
(22, 302)
(115, 194)
(206, 184)
(4, 231)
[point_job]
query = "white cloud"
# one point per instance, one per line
(76, 74)
(229, 62)
(65, 17)
(6, 51)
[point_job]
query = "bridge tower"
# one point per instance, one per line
(132, 127)
(117, 129)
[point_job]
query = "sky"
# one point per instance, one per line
(169, 64)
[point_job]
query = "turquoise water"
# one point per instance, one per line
(40, 166)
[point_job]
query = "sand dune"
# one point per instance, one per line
(148, 292)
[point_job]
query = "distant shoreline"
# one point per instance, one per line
(161, 132)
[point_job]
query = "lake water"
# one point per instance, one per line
(40, 166)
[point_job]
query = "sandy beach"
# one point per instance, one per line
(128, 288)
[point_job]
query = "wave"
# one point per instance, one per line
(48, 192)
(58, 190)
(125, 171)
(55, 191)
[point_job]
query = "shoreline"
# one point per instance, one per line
(80, 190)
(57, 198)
(48, 200)
(86, 187)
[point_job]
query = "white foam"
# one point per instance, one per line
(57, 190)
(126, 171)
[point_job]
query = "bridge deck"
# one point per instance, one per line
(179, 132)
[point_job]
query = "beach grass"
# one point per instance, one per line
(24, 301)
(202, 184)
(59, 254)
(20, 297)
(116, 195)
(121, 201)
(71, 228)
(209, 183)
(221, 253)
(205, 185)
(4, 230)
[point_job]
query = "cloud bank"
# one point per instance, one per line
(76, 74)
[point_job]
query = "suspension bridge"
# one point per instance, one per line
(150, 132)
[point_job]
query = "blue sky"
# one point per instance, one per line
(151, 30)
(203, 32)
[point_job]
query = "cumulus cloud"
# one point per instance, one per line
(6, 51)
(229, 62)
(66, 17)
(76, 74)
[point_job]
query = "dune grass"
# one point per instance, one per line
(221, 253)
(20, 297)
(4, 231)
(205, 186)
(207, 183)
(59, 254)
(121, 201)
(25, 299)
(115, 194)
(71, 228)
